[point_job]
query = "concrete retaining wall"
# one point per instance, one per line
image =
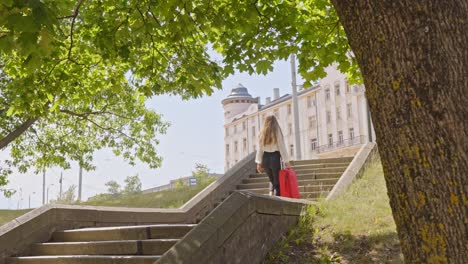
(241, 230)
(39, 224)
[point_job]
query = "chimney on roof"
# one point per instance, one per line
(275, 93)
(267, 100)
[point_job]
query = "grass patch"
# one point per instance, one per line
(356, 227)
(163, 199)
(8, 215)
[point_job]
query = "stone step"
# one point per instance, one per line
(318, 161)
(321, 170)
(122, 233)
(330, 181)
(315, 195)
(77, 259)
(299, 177)
(302, 189)
(319, 166)
(122, 247)
(338, 173)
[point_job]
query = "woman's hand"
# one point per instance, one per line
(259, 168)
(288, 164)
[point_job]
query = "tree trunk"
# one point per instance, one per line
(17, 132)
(414, 59)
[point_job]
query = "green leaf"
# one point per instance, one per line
(10, 111)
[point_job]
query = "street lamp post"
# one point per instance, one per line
(20, 198)
(30, 199)
(295, 108)
(47, 199)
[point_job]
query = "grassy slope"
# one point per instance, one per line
(8, 215)
(356, 227)
(164, 199)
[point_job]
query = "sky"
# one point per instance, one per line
(196, 135)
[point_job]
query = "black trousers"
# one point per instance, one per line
(271, 164)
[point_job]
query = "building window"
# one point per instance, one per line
(289, 129)
(244, 144)
(328, 117)
(235, 146)
(327, 94)
(243, 126)
(235, 129)
(309, 101)
(337, 89)
(227, 150)
(338, 113)
(289, 109)
(253, 131)
(348, 87)
(276, 113)
(313, 144)
(227, 131)
(349, 110)
(351, 133)
(340, 137)
(227, 165)
(312, 122)
(255, 147)
(291, 150)
(330, 140)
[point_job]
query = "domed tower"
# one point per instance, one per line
(237, 102)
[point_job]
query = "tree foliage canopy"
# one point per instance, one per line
(74, 75)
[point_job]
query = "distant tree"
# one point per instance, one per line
(68, 197)
(132, 185)
(113, 188)
(180, 184)
(201, 172)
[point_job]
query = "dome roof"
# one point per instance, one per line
(239, 91)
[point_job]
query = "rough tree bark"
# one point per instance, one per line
(414, 59)
(17, 132)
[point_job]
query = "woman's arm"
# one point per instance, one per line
(259, 156)
(282, 147)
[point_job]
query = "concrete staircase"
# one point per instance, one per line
(140, 244)
(210, 228)
(315, 178)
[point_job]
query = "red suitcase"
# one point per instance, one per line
(288, 183)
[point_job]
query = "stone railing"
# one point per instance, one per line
(39, 224)
(241, 230)
(366, 155)
(202, 203)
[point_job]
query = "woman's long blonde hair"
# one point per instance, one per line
(270, 128)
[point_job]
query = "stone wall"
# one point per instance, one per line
(365, 156)
(39, 224)
(202, 203)
(241, 230)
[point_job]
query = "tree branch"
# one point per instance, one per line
(75, 15)
(17, 132)
(85, 115)
(111, 129)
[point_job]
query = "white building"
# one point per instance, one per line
(333, 119)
